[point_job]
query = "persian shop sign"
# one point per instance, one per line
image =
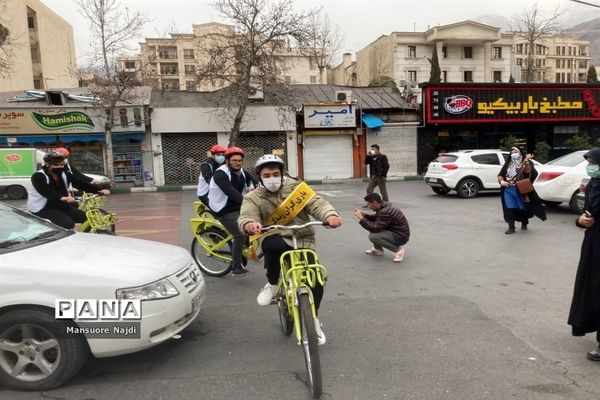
(67, 121)
(518, 103)
(330, 116)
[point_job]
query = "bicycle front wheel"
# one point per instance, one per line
(287, 324)
(216, 262)
(310, 346)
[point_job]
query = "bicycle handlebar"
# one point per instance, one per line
(293, 227)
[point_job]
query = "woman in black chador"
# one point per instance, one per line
(585, 307)
(516, 206)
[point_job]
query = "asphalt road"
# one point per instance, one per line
(471, 313)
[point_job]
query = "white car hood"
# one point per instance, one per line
(95, 260)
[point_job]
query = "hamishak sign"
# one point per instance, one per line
(330, 116)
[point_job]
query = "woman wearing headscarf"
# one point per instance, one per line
(515, 206)
(585, 306)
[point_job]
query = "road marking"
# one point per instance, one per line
(335, 193)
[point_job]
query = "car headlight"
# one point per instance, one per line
(162, 289)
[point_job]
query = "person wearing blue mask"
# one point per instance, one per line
(584, 316)
(517, 206)
(207, 169)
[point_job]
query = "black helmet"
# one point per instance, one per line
(53, 157)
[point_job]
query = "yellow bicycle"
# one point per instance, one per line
(211, 246)
(98, 220)
(300, 271)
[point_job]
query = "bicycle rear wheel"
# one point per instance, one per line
(217, 264)
(310, 346)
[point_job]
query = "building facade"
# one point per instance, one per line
(171, 63)
(42, 47)
(471, 52)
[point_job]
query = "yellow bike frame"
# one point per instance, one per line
(299, 275)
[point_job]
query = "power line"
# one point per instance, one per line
(586, 3)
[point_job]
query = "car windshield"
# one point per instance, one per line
(569, 160)
(20, 229)
(446, 158)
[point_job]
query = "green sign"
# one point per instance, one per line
(17, 163)
(64, 120)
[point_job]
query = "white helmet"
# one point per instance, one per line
(266, 160)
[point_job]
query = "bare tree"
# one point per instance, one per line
(381, 63)
(7, 44)
(533, 26)
(112, 28)
(249, 55)
(322, 43)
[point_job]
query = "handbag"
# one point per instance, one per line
(524, 186)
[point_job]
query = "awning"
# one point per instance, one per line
(372, 122)
(85, 138)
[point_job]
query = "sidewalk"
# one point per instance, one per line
(175, 188)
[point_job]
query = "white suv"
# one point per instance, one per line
(466, 171)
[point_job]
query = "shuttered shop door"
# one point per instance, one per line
(328, 157)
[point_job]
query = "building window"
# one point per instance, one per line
(190, 85)
(312, 66)
(444, 52)
(538, 62)
(412, 76)
(189, 69)
(557, 50)
(34, 54)
(568, 63)
(538, 49)
(562, 62)
(497, 52)
(31, 22)
(168, 69)
(313, 79)
(444, 76)
(557, 63)
(568, 77)
(129, 64)
(188, 54)
(467, 52)
(468, 76)
(519, 61)
(411, 51)
(497, 76)
(519, 49)
(37, 83)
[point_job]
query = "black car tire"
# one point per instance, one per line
(62, 355)
(440, 191)
(16, 192)
(468, 188)
(551, 203)
(573, 204)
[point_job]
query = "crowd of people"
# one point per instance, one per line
(244, 202)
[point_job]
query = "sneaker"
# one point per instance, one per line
(265, 296)
(239, 271)
(374, 252)
(399, 255)
(321, 339)
(523, 227)
(510, 231)
(594, 355)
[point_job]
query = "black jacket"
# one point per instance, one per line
(56, 188)
(387, 218)
(233, 190)
(378, 164)
(208, 168)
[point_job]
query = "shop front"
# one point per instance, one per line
(480, 116)
(81, 130)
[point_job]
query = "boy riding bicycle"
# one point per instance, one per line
(283, 200)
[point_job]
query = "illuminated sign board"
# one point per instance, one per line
(455, 104)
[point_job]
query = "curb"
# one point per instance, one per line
(176, 188)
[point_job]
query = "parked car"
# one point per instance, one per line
(558, 181)
(41, 263)
(466, 171)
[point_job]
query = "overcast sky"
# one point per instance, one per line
(362, 21)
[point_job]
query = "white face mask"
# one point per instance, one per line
(515, 156)
(272, 184)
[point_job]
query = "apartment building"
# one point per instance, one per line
(42, 47)
(345, 73)
(171, 63)
(471, 52)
